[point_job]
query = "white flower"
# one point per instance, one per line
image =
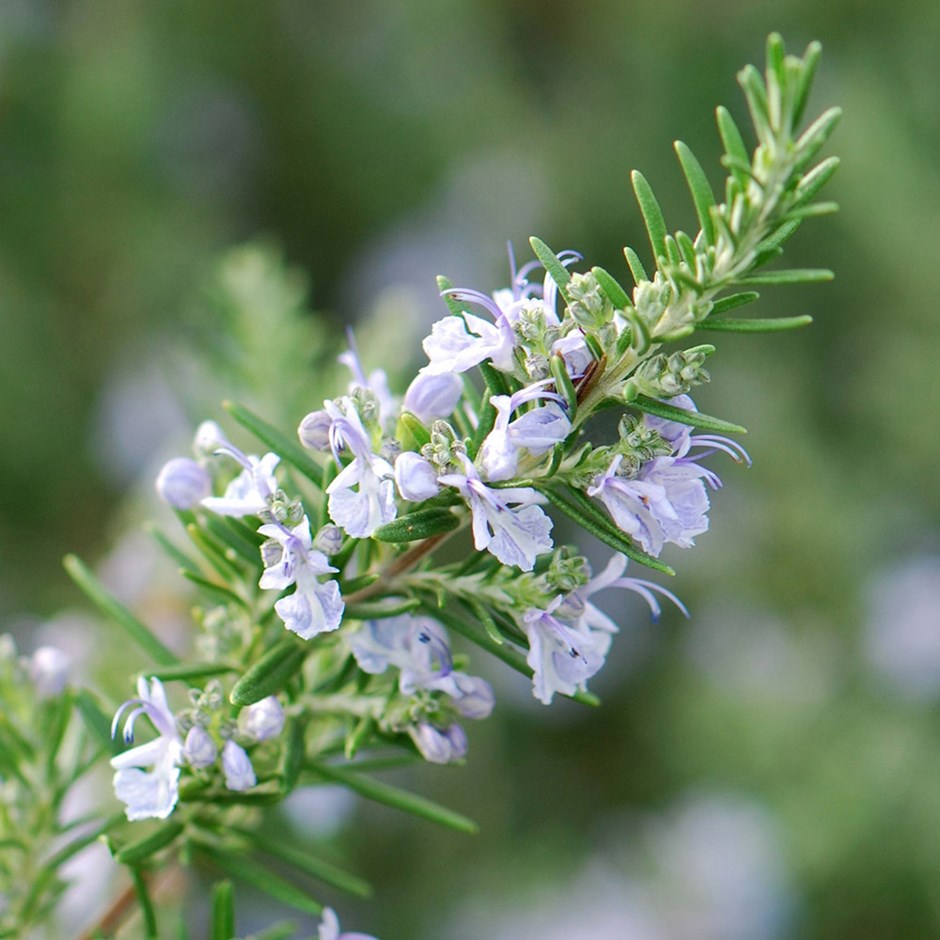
(329, 929)
(359, 512)
(290, 558)
(458, 343)
(150, 794)
(515, 536)
(236, 765)
(250, 492)
(562, 656)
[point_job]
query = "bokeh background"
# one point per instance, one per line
(768, 769)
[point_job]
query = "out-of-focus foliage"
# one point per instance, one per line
(792, 722)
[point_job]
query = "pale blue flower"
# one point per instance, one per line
(562, 655)
(376, 383)
(236, 765)
(329, 929)
(290, 558)
(516, 536)
(250, 493)
(358, 511)
(148, 794)
(458, 343)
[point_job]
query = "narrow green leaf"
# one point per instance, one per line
(563, 385)
(770, 325)
(421, 524)
(635, 265)
(290, 452)
(612, 288)
(145, 904)
(188, 671)
(813, 138)
(381, 610)
(106, 602)
(177, 555)
(385, 793)
(362, 581)
(282, 930)
(270, 673)
(223, 911)
(222, 529)
(773, 241)
(756, 96)
(259, 876)
(807, 73)
(96, 720)
(694, 419)
(652, 215)
(558, 272)
(408, 424)
(301, 859)
(724, 304)
(702, 195)
(603, 529)
(813, 181)
(793, 276)
(739, 159)
(139, 851)
(214, 552)
(813, 210)
(219, 592)
(294, 755)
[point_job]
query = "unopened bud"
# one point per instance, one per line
(183, 483)
(314, 430)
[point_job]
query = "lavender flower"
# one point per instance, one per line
(183, 484)
(514, 536)
(236, 765)
(250, 493)
(329, 929)
(263, 720)
(433, 395)
(150, 794)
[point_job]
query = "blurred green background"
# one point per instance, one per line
(767, 770)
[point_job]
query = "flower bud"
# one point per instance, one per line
(49, 671)
(416, 477)
(209, 438)
(263, 720)
(329, 539)
(433, 396)
(236, 765)
(199, 749)
(439, 746)
(182, 483)
(314, 430)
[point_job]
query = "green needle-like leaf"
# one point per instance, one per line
(145, 904)
(259, 876)
(740, 159)
(139, 632)
(702, 195)
(289, 451)
(694, 419)
(381, 610)
(635, 265)
(270, 673)
(550, 261)
(612, 288)
(769, 325)
(407, 802)
(414, 526)
(97, 720)
(139, 851)
(723, 304)
(223, 911)
(652, 215)
(590, 517)
(793, 276)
